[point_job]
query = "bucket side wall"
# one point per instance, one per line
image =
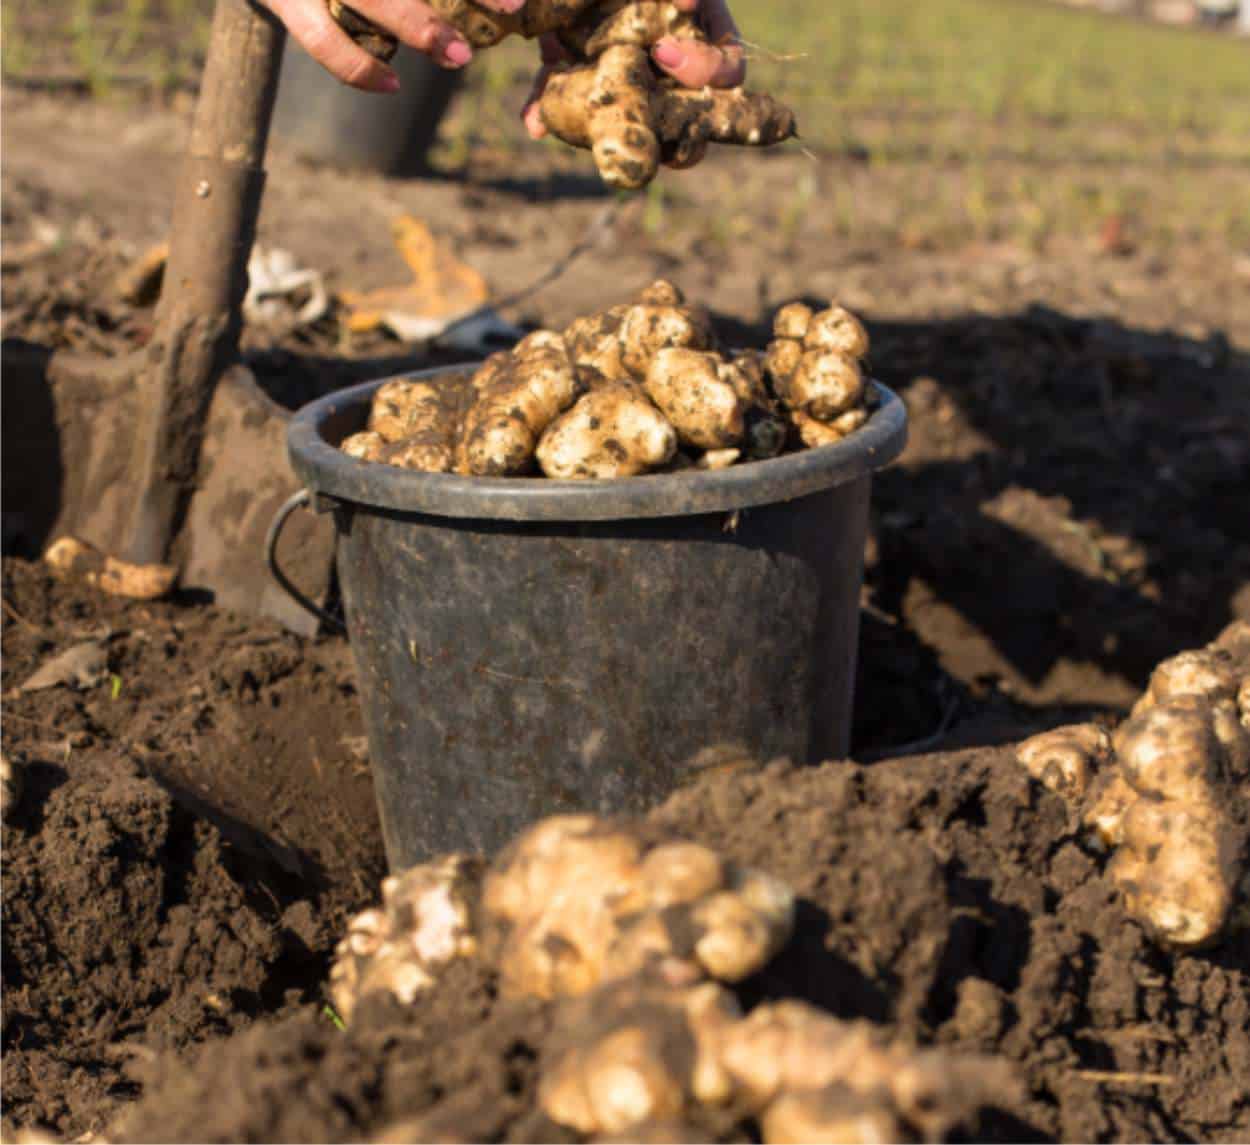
(511, 671)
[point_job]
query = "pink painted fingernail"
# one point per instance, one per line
(458, 53)
(509, 5)
(667, 54)
(389, 84)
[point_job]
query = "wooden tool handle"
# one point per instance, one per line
(216, 204)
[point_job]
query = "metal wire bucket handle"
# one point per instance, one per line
(300, 500)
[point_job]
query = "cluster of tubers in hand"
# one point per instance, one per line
(632, 939)
(636, 389)
(1163, 790)
(608, 97)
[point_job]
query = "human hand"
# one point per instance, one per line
(413, 22)
(718, 62)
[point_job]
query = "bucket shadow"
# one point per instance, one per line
(1069, 512)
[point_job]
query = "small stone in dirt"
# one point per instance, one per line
(82, 666)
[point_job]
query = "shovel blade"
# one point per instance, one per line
(244, 478)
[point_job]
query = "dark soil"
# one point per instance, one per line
(943, 895)
(197, 825)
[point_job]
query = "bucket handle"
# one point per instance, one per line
(300, 500)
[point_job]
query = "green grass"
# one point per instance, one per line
(1008, 74)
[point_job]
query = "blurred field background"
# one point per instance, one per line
(1057, 117)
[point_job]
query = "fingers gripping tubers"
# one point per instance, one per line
(609, 98)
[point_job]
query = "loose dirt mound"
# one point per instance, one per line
(944, 896)
(166, 876)
(127, 917)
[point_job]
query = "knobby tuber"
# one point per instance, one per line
(426, 920)
(1161, 791)
(574, 902)
(637, 388)
(637, 1050)
(583, 901)
(69, 558)
(608, 97)
(630, 940)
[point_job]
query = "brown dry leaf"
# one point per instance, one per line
(442, 288)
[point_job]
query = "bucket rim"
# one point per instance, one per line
(328, 472)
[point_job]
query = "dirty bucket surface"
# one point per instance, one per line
(527, 646)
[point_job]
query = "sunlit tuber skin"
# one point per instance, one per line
(1064, 760)
(715, 459)
(688, 389)
(1170, 751)
(836, 1115)
(784, 1050)
(1174, 872)
(623, 1080)
(577, 901)
(836, 331)
(680, 873)
(792, 321)
(429, 453)
(1243, 703)
(594, 344)
(69, 558)
(403, 407)
(1203, 672)
(10, 786)
(559, 885)
(647, 329)
(612, 432)
(426, 919)
(366, 445)
(503, 427)
(781, 360)
(764, 428)
(641, 1052)
(605, 107)
(1112, 797)
(814, 434)
(661, 292)
(824, 385)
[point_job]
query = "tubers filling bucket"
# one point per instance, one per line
(530, 645)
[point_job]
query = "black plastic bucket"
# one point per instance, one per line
(527, 646)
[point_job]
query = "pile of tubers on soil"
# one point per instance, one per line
(608, 97)
(639, 388)
(632, 940)
(1166, 791)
